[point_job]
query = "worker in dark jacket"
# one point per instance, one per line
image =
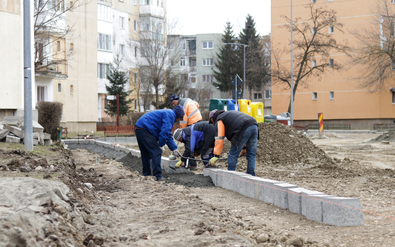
(241, 130)
(153, 131)
(198, 140)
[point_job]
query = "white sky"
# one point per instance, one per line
(210, 16)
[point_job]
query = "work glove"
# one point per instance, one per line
(243, 153)
(176, 152)
(162, 148)
(213, 160)
(178, 164)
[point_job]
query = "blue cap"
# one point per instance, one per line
(179, 111)
(173, 97)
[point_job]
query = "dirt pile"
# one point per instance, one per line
(386, 136)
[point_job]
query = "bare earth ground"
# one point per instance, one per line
(125, 209)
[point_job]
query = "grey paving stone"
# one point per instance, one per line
(342, 211)
(280, 194)
(295, 200)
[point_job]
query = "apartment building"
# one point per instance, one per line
(11, 62)
(195, 55)
(335, 93)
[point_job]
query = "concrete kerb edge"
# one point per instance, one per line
(298, 199)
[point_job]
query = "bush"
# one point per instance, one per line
(49, 116)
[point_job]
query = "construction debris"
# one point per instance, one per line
(12, 131)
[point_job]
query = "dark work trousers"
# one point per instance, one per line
(150, 152)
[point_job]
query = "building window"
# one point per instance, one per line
(207, 44)
(393, 95)
(257, 96)
(331, 29)
(135, 2)
(393, 63)
(331, 95)
(314, 96)
(314, 63)
(59, 88)
(208, 78)
(40, 93)
(135, 25)
(268, 94)
(136, 79)
(208, 61)
(102, 70)
(71, 89)
(313, 1)
(58, 45)
(104, 42)
(182, 44)
(192, 62)
(121, 49)
(393, 1)
(313, 30)
(72, 47)
(331, 62)
(170, 45)
(104, 12)
(192, 78)
(121, 22)
(182, 61)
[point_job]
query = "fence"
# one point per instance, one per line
(382, 126)
(331, 126)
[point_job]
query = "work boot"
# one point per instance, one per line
(193, 168)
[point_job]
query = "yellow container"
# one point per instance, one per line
(257, 111)
(245, 106)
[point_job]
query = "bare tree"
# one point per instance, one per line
(50, 30)
(376, 49)
(312, 45)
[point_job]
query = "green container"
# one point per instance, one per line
(219, 104)
(59, 133)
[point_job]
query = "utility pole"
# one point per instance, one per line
(27, 67)
(292, 72)
(244, 67)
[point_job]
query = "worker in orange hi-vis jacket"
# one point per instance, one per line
(191, 108)
(242, 131)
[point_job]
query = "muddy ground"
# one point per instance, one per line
(111, 204)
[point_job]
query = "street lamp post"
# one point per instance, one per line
(244, 67)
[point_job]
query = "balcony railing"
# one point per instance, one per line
(53, 68)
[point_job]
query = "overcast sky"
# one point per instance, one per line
(210, 16)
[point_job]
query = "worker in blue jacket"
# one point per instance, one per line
(153, 131)
(199, 139)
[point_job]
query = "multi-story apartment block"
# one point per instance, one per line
(195, 55)
(11, 62)
(335, 94)
(62, 55)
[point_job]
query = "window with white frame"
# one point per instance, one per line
(331, 29)
(331, 95)
(192, 78)
(121, 49)
(41, 91)
(314, 96)
(192, 61)
(182, 61)
(331, 62)
(104, 12)
(268, 94)
(102, 70)
(208, 44)
(208, 61)
(121, 22)
(57, 5)
(104, 42)
(135, 2)
(135, 25)
(257, 95)
(208, 78)
(314, 64)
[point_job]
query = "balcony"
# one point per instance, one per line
(151, 10)
(54, 68)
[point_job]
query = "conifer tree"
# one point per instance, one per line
(117, 81)
(227, 64)
(257, 69)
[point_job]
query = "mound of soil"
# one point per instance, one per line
(386, 136)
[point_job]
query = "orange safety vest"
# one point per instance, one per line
(192, 113)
